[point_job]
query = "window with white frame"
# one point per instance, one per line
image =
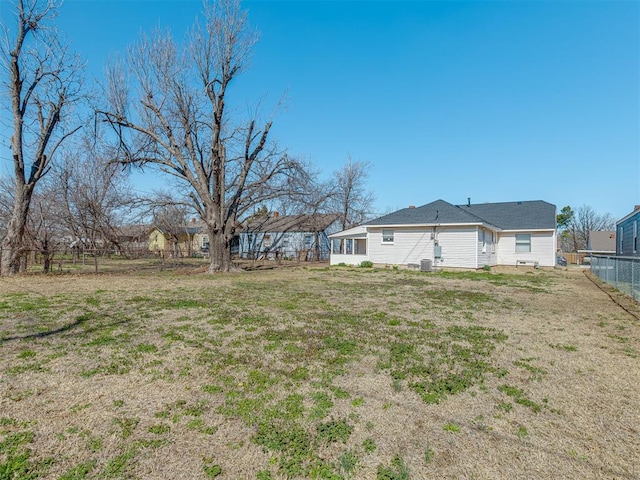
(523, 242)
(387, 236)
(621, 237)
(484, 241)
(494, 240)
(336, 246)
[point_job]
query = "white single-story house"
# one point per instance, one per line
(299, 237)
(456, 236)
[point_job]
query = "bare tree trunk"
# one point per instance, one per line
(220, 250)
(12, 247)
(216, 246)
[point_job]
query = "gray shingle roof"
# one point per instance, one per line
(530, 215)
(292, 223)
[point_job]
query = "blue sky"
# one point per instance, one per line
(497, 101)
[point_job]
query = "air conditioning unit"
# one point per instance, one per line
(426, 265)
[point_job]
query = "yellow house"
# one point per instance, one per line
(181, 241)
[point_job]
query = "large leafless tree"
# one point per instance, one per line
(169, 110)
(42, 80)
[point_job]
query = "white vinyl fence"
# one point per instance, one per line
(623, 273)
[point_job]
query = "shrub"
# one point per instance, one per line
(366, 264)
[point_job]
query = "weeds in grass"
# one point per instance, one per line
(398, 470)
(519, 397)
(537, 373)
(79, 472)
(347, 463)
(159, 429)
(369, 445)
(567, 348)
(429, 454)
(451, 427)
(334, 431)
(127, 426)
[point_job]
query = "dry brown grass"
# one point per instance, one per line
(159, 376)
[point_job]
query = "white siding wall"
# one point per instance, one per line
(459, 247)
(543, 249)
(411, 245)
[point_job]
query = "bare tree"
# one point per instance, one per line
(95, 198)
(44, 233)
(351, 199)
(43, 82)
(576, 226)
(175, 118)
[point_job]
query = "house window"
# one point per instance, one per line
(484, 241)
(205, 240)
(387, 236)
(250, 238)
(621, 236)
(494, 240)
(349, 250)
(523, 242)
(336, 245)
(360, 246)
(307, 241)
(266, 241)
(635, 236)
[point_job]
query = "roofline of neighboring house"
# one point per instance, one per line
(404, 225)
(628, 216)
(530, 230)
(597, 251)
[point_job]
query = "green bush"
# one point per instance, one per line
(366, 264)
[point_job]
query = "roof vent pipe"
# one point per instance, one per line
(468, 201)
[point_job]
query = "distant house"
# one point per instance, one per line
(300, 237)
(132, 240)
(627, 234)
(602, 242)
(457, 236)
(178, 241)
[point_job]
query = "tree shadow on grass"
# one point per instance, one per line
(79, 321)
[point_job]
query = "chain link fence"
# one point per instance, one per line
(623, 273)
